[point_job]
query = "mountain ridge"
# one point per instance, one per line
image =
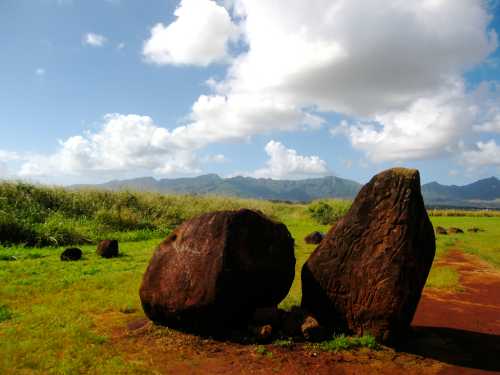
(483, 193)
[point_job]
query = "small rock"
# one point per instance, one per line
(312, 330)
(454, 230)
(314, 238)
(441, 230)
(108, 248)
(475, 230)
(264, 333)
(71, 254)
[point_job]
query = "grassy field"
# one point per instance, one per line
(58, 317)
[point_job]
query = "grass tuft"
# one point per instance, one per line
(444, 278)
(5, 313)
(342, 342)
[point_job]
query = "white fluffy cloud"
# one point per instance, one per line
(94, 40)
(484, 154)
(429, 127)
(199, 35)
(124, 144)
(286, 163)
(358, 57)
(396, 67)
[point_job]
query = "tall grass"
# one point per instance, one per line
(52, 216)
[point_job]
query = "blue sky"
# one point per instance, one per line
(101, 89)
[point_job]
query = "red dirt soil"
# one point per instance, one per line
(462, 328)
(453, 333)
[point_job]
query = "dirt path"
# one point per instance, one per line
(462, 329)
(454, 333)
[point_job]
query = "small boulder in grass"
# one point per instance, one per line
(108, 248)
(314, 238)
(441, 230)
(454, 230)
(71, 254)
(475, 230)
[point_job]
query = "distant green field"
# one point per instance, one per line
(55, 317)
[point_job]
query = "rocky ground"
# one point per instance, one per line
(453, 333)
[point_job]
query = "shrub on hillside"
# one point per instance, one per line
(325, 213)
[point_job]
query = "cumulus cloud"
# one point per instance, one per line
(94, 40)
(123, 144)
(9, 156)
(319, 53)
(286, 163)
(484, 154)
(429, 127)
(199, 35)
(406, 94)
(126, 144)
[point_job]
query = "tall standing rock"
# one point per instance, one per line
(214, 270)
(367, 275)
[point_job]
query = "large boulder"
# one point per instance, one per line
(215, 270)
(108, 248)
(368, 273)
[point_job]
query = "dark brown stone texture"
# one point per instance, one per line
(314, 238)
(454, 230)
(71, 254)
(215, 270)
(108, 248)
(367, 275)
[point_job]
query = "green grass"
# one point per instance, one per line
(444, 278)
(485, 245)
(55, 308)
(342, 343)
(56, 317)
(262, 350)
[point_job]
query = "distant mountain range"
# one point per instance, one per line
(244, 187)
(480, 194)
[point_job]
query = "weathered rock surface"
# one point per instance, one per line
(441, 230)
(312, 330)
(71, 254)
(215, 270)
(368, 273)
(108, 248)
(264, 333)
(314, 238)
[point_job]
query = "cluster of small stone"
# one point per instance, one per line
(106, 249)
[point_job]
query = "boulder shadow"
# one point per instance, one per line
(456, 347)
